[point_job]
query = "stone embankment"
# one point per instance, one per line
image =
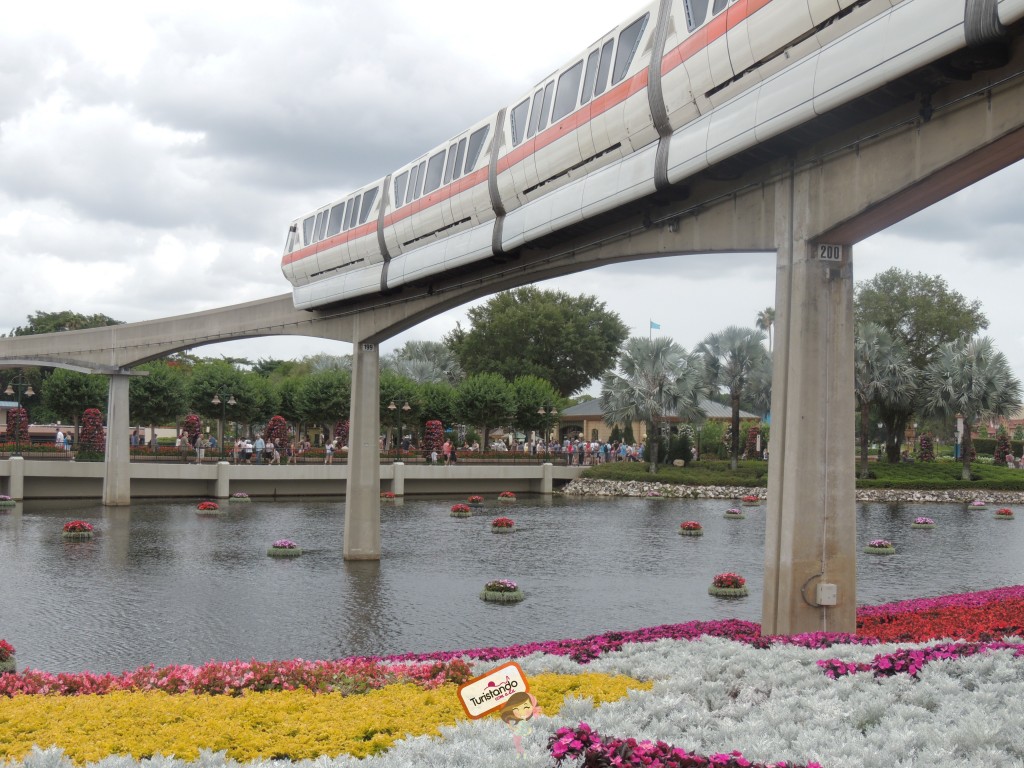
(587, 487)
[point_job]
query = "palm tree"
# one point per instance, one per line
(425, 361)
(655, 378)
(730, 358)
(765, 321)
(883, 375)
(970, 376)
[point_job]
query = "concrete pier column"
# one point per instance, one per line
(362, 495)
(811, 537)
(222, 485)
(547, 483)
(16, 480)
(117, 462)
(398, 479)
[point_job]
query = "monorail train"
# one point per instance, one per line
(678, 87)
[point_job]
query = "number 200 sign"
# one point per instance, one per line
(830, 252)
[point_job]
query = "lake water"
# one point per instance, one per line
(160, 584)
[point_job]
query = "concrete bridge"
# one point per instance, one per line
(809, 196)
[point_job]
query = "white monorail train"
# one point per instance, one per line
(680, 86)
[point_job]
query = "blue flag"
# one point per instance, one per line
(655, 326)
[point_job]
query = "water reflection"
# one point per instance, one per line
(160, 584)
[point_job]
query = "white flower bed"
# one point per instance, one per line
(716, 695)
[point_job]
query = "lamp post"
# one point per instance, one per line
(19, 383)
(398, 421)
(699, 428)
(881, 442)
(546, 412)
(223, 399)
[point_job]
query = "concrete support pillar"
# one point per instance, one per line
(222, 486)
(398, 479)
(811, 537)
(16, 480)
(362, 495)
(547, 483)
(117, 464)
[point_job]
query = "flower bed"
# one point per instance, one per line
(503, 525)
(502, 591)
(241, 496)
(6, 501)
(209, 507)
(690, 528)
(506, 496)
(880, 547)
(461, 510)
(728, 585)
(922, 522)
(475, 501)
(387, 495)
(1003, 514)
(734, 514)
(77, 529)
(977, 505)
(751, 500)
(284, 548)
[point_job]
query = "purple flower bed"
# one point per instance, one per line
(946, 601)
(910, 661)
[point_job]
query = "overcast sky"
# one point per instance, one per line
(152, 156)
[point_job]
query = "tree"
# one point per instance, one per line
(564, 339)
(529, 395)
(158, 398)
(765, 321)
(325, 397)
(918, 310)
(655, 378)
(54, 322)
(484, 399)
(68, 393)
(883, 378)
(970, 376)
(437, 401)
(731, 357)
(425, 362)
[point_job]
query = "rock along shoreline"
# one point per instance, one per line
(590, 487)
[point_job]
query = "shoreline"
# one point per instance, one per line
(651, 489)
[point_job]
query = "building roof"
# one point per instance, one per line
(591, 409)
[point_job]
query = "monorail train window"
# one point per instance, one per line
(459, 155)
(590, 77)
(414, 174)
(435, 170)
(353, 212)
(603, 67)
(368, 199)
(316, 227)
(568, 90)
(307, 231)
(476, 144)
(337, 217)
(696, 12)
(290, 241)
(519, 114)
(449, 168)
(400, 181)
(421, 173)
(549, 91)
(719, 6)
(538, 97)
(321, 225)
(629, 39)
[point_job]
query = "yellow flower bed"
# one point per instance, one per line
(282, 724)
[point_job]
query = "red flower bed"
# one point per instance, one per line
(976, 616)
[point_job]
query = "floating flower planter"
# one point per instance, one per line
(922, 522)
(977, 505)
(240, 496)
(1004, 514)
(387, 495)
(503, 525)
(284, 548)
(7, 663)
(461, 510)
(208, 508)
(728, 585)
(690, 528)
(751, 501)
(653, 495)
(77, 529)
(6, 501)
(475, 501)
(506, 496)
(502, 591)
(734, 514)
(880, 547)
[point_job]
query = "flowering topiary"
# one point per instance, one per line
(240, 496)
(922, 522)
(284, 548)
(285, 544)
(502, 524)
(501, 591)
(93, 437)
(77, 529)
(461, 510)
(1005, 513)
(977, 504)
(728, 585)
(6, 501)
(880, 547)
(734, 514)
(691, 528)
(6, 650)
(507, 496)
(207, 506)
(387, 495)
(475, 499)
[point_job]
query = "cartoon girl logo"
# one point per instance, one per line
(517, 713)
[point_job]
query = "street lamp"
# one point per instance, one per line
(699, 428)
(881, 425)
(19, 383)
(546, 412)
(219, 399)
(398, 420)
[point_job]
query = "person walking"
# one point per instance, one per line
(258, 448)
